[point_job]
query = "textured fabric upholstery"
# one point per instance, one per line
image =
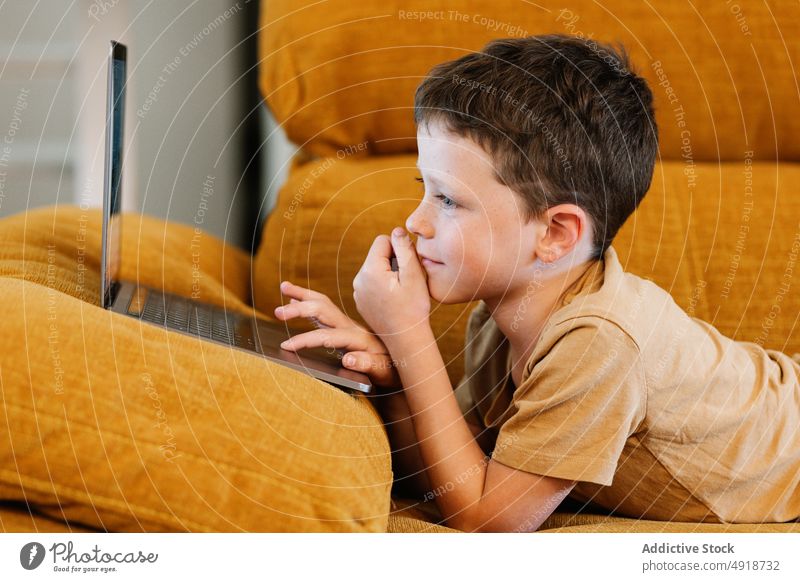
(337, 74)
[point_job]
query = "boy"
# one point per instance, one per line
(580, 378)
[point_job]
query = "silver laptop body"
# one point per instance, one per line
(181, 314)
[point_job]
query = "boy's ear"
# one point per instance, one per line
(566, 225)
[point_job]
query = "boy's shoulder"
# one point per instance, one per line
(632, 304)
(620, 307)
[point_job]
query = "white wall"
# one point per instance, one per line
(184, 106)
(37, 106)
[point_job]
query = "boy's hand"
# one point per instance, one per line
(337, 331)
(392, 302)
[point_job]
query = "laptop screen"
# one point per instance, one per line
(112, 187)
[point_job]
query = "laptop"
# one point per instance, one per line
(206, 322)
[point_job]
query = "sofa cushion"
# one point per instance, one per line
(16, 517)
(723, 243)
(59, 246)
(342, 73)
(410, 516)
(120, 425)
(603, 524)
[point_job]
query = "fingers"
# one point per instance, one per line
(379, 367)
(407, 259)
(291, 290)
(316, 307)
(346, 339)
(320, 314)
(281, 314)
(379, 252)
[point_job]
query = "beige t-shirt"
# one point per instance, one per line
(655, 413)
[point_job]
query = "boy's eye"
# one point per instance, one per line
(447, 202)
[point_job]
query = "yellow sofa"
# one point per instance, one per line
(113, 425)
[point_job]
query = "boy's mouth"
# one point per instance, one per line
(428, 262)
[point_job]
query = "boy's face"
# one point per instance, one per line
(469, 222)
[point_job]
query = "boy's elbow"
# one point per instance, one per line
(489, 520)
(478, 522)
(461, 523)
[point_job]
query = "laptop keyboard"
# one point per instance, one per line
(181, 314)
(236, 330)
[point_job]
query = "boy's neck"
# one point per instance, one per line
(522, 313)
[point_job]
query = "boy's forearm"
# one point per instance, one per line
(455, 463)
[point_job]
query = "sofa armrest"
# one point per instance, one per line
(59, 247)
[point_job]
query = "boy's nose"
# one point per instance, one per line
(417, 224)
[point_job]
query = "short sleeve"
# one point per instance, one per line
(584, 396)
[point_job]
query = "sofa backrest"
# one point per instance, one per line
(341, 73)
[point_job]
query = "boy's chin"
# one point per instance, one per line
(449, 296)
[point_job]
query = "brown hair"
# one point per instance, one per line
(564, 119)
